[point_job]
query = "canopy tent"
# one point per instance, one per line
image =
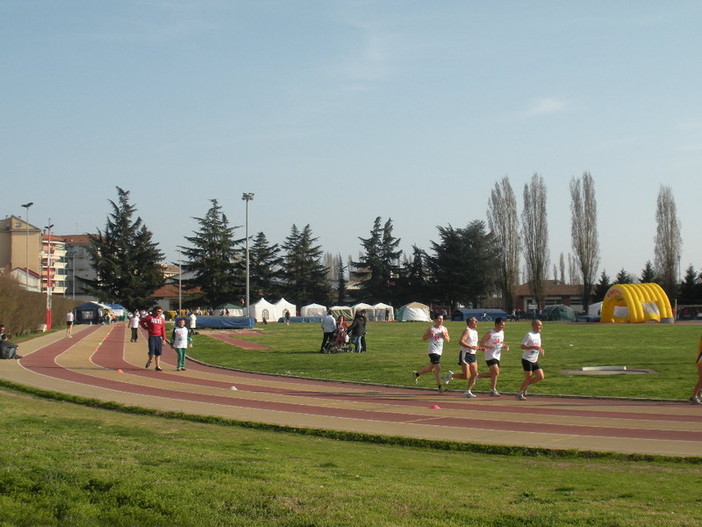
(228, 306)
(636, 303)
(118, 311)
(342, 310)
(414, 312)
(262, 309)
(361, 306)
(281, 306)
(90, 313)
(382, 313)
(558, 313)
(313, 310)
(595, 310)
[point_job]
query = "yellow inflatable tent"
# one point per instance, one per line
(636, 303)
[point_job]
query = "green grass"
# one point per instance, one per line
(396, 349)
(66, 465)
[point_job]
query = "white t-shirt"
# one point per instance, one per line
(533, 340)
(472, 339)
(180, 337)
(493, 345)
(192, 321)
(133, 321)
(436, 340)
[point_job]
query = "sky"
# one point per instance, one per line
(336, 112)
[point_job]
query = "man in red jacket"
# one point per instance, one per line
(155, 324)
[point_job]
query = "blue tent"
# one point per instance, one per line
(89, 313)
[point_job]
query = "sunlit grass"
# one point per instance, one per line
(395, 349)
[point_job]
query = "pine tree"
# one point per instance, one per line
(463, 268)
(125, 258)
(340, 282)
(602, 287)
(378, 264)
(211, 258)
(305, 278)
(265, 267)
(623, 278)
(648, 274)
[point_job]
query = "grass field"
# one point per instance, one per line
(395, 349)
(67, 465)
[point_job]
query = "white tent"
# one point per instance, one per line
(383, 313)
(282, 306)
(595, 310)
(360, 307)
(263, 309)
(313, 310)
(342, 310)
(414, 312)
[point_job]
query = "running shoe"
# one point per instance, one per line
(469, 395)
(416, 377)
(448, 377)
(695, 400)
(148, 363)
(157, 368)
(521, 396)
(494, 393)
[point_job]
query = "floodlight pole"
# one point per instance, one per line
(247, 196)
(48, 275)
(26, 244)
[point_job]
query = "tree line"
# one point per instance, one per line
(464, 266)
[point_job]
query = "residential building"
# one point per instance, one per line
(20, 251)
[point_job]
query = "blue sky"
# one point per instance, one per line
(335, 112)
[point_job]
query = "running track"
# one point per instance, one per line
(99, 362)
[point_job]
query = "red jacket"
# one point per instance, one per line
(156, 326)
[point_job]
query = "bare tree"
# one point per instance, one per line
(504, 224)
(535, 236)
(573, 274)
(668, 241)
(583, 229)
(561, 266)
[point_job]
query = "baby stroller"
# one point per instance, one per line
(339, 342)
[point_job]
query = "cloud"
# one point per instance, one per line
(547, 106)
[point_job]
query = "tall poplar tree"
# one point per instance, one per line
(583, 229)
(504, 224)
(127, 262)
(668, 242)
(535, 237)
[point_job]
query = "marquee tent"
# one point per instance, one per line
(313, 310)
(281, 306)
(414, 312)
(360, 307)
(342, 310)
(263, 309)
(383, 312)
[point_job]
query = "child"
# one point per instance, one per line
(180, 340)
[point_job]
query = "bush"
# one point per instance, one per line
(23, 311)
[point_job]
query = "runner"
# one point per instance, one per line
(493, 342)
(697, 392)
(436, 334)
(531, 344)
(466, 357)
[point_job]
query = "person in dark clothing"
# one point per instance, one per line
(357, 331)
